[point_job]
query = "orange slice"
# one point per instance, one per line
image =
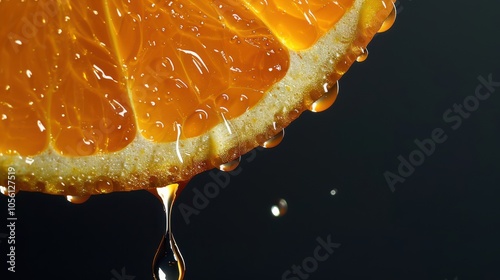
(103, 96)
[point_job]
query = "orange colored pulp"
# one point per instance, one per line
(86, 76)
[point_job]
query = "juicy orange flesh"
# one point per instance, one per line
(299, 23)
(85, 76)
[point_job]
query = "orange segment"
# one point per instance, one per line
(299, 23)
(62, 78)
(90, 111)
(191, 54)
(24, 88)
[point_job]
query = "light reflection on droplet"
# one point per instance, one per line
(363, 56)
(280, 208)
(328, 98)
(29, 160)
(389, 21)
(275, 140)
(40, 125)
(77, 199)
(334, 191)
(230, 166)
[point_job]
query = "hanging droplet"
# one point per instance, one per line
(275, 140)
(389, 21)
(327, 100)
(280, 208)
(230, 166)
(363, 56)
(77, 199)
(104, 185)
(333, 191)
(168, 263)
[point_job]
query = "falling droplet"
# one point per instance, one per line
(275, 140)
(327, 100)
(168, 263)
(363, 56)
(389, 21)
(77, 199)
(280, 208)
(333, 191)
(230, 166)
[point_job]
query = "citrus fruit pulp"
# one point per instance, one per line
(97, 97)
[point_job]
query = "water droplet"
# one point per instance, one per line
(389, 21)
(363, 56)
(77, 199)
(232, 104)
(230, 166)
(104, 185)
(196, 123)
(280, 208)
(275, 140)
(327, 100)
(334, 191)
(168, 263)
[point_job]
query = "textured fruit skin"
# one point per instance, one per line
(144, 165)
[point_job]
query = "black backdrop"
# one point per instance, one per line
(442, 222)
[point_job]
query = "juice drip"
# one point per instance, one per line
(363, 56)
(275, 140)
(389, 21)
(230, 166)
(328, 98)
(77, 199)
(168, 263)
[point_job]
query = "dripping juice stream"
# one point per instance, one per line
(168, 263)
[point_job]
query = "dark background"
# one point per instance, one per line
(442, 222)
